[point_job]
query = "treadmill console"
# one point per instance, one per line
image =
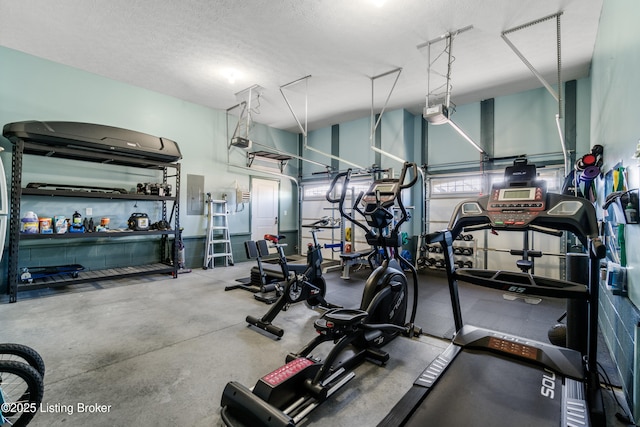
(522, 202)
(514, 347)
(515, 206)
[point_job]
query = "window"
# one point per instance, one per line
(318, 191)
(457, 185)
(552, 176)
(473, 184)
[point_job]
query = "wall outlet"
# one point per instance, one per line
(88, 211)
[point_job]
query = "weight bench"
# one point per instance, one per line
(352, 258)
(263, 276)
(259, 277)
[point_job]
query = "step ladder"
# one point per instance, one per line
(218, 240)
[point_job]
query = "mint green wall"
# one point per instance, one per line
(32, 88)
(392, 139)
(525, 124)
(355, 142)
(615, 102)
(36, 89)
(320, 140)
(583, 117)
(447, 146)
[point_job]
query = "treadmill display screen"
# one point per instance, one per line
(518, 194)
(517, 349)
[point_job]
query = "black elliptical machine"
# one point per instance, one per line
(287, 395)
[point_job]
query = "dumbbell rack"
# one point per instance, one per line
(464, 251)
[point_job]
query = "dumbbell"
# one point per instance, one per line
(467, 251)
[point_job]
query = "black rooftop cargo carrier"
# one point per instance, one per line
(96, 138)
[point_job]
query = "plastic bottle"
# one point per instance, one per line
(30, 223)
(631, 213)
(77, 218)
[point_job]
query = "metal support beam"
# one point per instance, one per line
(557, 95)
(397, 72)
(303, 128)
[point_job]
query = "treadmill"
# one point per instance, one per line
(489, 378)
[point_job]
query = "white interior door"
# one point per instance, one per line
(264, 208)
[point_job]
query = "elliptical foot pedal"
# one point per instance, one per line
(278, 386)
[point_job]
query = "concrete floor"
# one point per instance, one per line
(157, 351)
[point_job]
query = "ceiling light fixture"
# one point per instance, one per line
(231, 74)
(378, 3)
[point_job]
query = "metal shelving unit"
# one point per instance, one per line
(22, 147)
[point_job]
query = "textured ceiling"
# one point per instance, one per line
(183, 48)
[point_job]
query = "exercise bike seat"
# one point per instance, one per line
(274, 238)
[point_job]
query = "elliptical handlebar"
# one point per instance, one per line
(414, 169)
(346, 177)
(402, 186)
(339, 200)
